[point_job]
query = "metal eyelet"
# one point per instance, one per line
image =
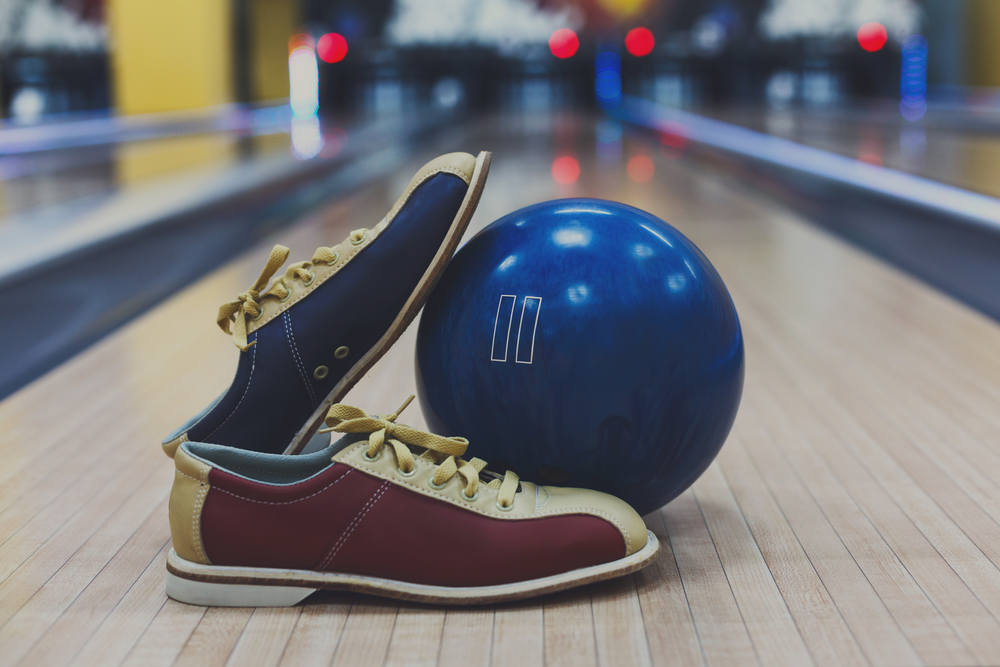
(257, 316)
(312, 277)
(321, 372)
(502, 508)
(287, 296)
(407, 474)
(373, 459)
(474, 498)
(438, 487)
(336, 258)
(364, 237)
(342, 352)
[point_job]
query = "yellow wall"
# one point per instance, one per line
(169, 55)
(982, 49)
(270, 23)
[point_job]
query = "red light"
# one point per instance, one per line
(640, 168)
(673, 139)
(565, 170)
(331, 48)
(872, 36)
(639, 42)
(564, 43)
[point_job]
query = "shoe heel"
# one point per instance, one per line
(234, 595)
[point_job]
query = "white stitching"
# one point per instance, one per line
(354, 524)
(253, 365)
(548, 497)
(298, 360)
(290, 502)
(198, 504)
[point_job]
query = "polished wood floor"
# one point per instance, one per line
(851, 518)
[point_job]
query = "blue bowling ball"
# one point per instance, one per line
(582, 342)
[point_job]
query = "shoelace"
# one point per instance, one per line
(445, 452)
(247, 304)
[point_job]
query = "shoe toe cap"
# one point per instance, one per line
(557, 500)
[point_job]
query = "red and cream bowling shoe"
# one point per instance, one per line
(388, 510)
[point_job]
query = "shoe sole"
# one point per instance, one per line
(410, 308)
(221, 586)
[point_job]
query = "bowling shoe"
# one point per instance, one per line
(308, 338)
(388, 510)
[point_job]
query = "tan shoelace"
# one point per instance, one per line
(247, 304)
(445, 452)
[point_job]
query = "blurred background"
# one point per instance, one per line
(144, 143)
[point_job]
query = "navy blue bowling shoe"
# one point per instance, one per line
(307, 339)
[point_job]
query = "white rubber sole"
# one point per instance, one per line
(220, 586)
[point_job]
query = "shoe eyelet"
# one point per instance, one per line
(287, 296)
(437, 487)
(257, 316)
(336, 258)
(321, 372)
(312, 277)
(373, 459)
(407, 474)
(471, 499)
(364, 237)
(342, 352)
(502, 508)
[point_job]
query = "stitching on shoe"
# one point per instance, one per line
(195, 522)
(264, 502)
(565, 510)
(253, 366)
(287, 317)
(548, 497)
(354, 524)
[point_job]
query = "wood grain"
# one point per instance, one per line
(853, 517)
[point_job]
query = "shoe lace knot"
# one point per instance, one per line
(444, 452)
(233, 316)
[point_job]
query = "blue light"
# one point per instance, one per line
(913, 78)
(608, 80)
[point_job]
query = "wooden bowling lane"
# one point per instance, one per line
(852, 517)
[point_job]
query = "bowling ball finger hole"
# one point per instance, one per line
(552, 474)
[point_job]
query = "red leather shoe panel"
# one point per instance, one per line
(407, 536)
(347, 521)
(263, 525)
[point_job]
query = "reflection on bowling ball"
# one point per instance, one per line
(584, 343)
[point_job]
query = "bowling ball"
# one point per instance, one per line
(584, 343)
